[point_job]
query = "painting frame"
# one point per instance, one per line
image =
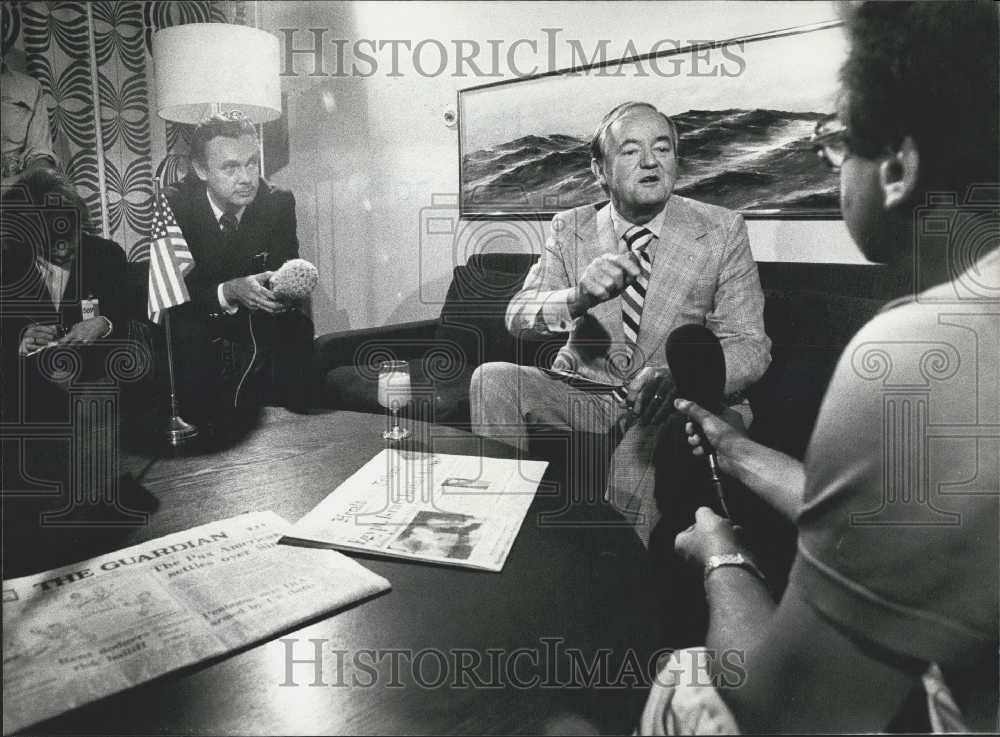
(498, 180)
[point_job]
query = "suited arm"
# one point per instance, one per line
(102, 275)
(202, 288)
(204, 291)
(542, 305)
(284, 244)
(38, 139)
(737, 317)
(281, 244)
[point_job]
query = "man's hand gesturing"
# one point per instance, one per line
(605, 278)
(250, 292)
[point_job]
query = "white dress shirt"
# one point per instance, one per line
(56, 278)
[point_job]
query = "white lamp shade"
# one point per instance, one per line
(202, 68)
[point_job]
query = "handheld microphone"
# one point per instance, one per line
(698, 366)
(294, 280)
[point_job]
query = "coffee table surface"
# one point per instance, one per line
(534, 648)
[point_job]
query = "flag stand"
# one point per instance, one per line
(178, 431)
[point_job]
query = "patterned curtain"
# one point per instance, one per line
(94, 62)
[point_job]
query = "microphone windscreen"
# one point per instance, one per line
(698, 365)
(294, 280)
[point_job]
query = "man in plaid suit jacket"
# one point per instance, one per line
(698, 269)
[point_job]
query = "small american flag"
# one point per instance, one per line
(169, 260)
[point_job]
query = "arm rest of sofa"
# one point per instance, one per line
(346, 363)
(404, 341)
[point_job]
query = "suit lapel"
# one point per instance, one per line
(600, 237)
(602, 333)
(249, 227)
(205, 237)
(676, 263)
(206, 215)
(235, 256)
(42, 293)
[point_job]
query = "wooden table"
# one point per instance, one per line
(557, 640)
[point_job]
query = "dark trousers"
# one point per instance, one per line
(36, 389)
(211, 354)
(59, 457)
(682, 485)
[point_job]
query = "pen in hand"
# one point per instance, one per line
(40, 337)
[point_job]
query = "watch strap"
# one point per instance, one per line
(737, 560)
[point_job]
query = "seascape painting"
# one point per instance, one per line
(744, 109)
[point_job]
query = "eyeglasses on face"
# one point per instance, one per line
(829, 141)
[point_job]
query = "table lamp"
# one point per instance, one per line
(206, 68)
(203, 69)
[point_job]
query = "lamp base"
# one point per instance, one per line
(396, 434)
(179, 432)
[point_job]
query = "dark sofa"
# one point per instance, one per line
(442, 353)
(811, 312)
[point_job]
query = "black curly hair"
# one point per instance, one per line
(47, 187)
(928, 70)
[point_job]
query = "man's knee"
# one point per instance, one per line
(298, 325)
(292, 334)
(492, 391)
(192, 335)
(494, 404)
(488, 374)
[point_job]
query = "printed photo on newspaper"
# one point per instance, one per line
(450, 509)
(81, 632)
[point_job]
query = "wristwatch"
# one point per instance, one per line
(732, 559)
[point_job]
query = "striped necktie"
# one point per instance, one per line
(637, 239)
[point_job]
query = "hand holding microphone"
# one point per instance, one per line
(294, 281)
(707, 431)
(698, 366)
(251, 293)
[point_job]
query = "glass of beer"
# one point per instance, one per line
(393, 393)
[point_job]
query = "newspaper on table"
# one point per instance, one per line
(81, 632)
(451, 509)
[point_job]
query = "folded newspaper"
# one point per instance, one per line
(81, 632)
(451, 509)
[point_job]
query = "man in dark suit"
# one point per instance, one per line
(239, 229)
(62, 288)
(63, 353)
(64, 360)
